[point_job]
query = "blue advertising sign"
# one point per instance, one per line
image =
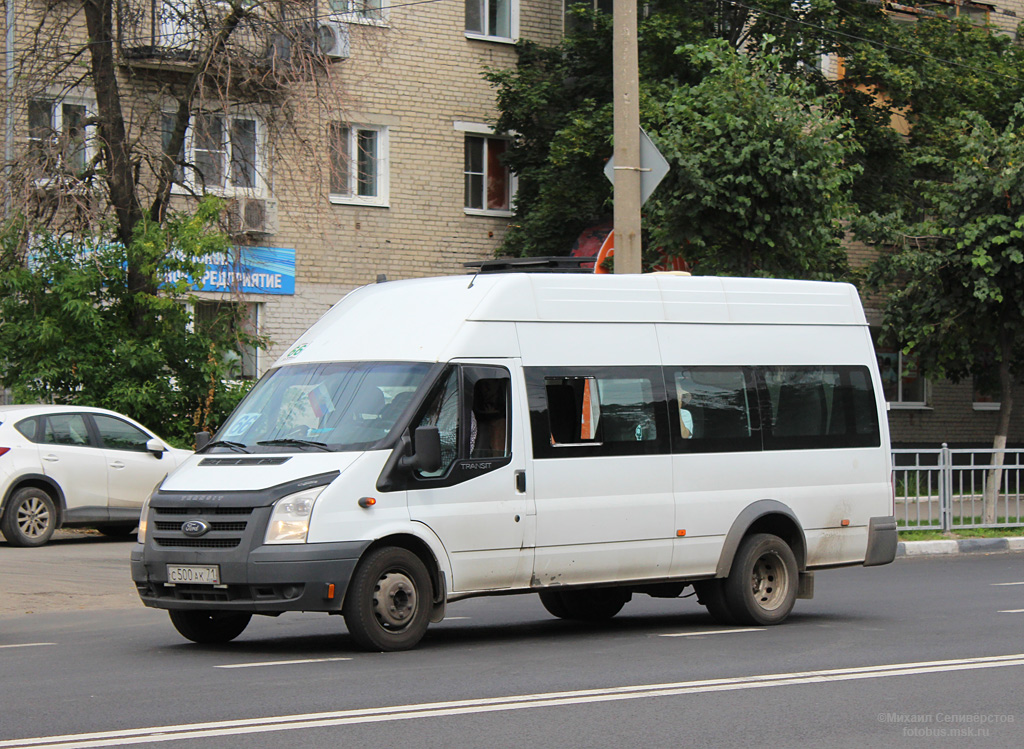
(250, 270)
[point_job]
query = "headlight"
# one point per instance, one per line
(144, 520)
(289, 522)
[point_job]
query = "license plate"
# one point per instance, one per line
(207, 574)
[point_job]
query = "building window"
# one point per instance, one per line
(359, 11)
(492, 19)
(902, 382)
(358, 164)
(60, 140)
(240, 319)
(224, 153)
(489, 185)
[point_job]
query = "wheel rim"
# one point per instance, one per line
(395, 600)
(33, 517)
(770, 581)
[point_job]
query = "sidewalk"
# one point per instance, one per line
(959, 546)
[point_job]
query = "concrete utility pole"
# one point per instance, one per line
(626, 90)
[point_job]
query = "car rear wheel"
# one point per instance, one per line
(209, 627)
(762, 585)
(30, 517)
(117, 531)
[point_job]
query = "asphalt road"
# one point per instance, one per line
(921, 653)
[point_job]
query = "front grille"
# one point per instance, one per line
(202, 511)
(205, 593)
(175, 525)
(197, 543)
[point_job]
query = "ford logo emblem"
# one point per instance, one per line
(195, 527)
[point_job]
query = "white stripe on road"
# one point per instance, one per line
(498, 704)
(281, 663)
(27, 645)
(712, 632)
(1012, 611)
(1021, 583)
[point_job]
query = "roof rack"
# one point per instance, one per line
(559, 264)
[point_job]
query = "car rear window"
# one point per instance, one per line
(28, 428)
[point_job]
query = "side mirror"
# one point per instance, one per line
(156, 448)
(202, 439)
(426, 451)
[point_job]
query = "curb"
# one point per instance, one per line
(959, 546)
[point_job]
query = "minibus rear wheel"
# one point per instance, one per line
(388, 602)
(585, 605)
(762, 584)
(209, 627)
(711, 594)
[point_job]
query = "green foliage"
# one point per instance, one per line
(72, 331)
(956, 278)
(759, 184)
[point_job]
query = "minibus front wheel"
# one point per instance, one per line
(762, 585)
(209, 627)
(388, 603)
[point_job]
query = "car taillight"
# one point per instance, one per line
(4, 450)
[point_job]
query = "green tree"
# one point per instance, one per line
(760, 178)
(69, 330)
(956, 278)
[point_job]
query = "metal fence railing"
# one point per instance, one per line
(947, 489)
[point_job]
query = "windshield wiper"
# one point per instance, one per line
(287, 441)
(238, 447)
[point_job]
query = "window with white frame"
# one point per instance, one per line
(489, 184)
(359, 11)
(496, 20)
(60, 140)
(902, 382)
(224, 153)
(240, 319)
(358, 163)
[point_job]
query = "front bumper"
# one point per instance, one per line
(268, 580)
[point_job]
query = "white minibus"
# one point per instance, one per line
(584, 437)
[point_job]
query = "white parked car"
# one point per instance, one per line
(76, 466)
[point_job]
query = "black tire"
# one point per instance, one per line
(209, 627)
(388, 602)
(552, 601)
(585, 605)
(711, 594)
(30, 517)
(762, 585)
(117, 531)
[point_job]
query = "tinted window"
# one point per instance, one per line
(716, 407)
(65, 429)
(820, 407)
(120, 435)
(29, 429)
(604, 411)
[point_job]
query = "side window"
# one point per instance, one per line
(716, 409)
(604, 411)
(443, 412)
(489, 422)
(820, 407)
(29, 429)
(65, 429)
(120, 435)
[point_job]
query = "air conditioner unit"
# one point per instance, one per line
(332, 39)
(252, 216)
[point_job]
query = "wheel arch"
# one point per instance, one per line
(38, 481)
(764, 516)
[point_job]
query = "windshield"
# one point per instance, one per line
(322, 406)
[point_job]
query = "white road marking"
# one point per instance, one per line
(1012, 611)
(713, 632)
(281, 663)
(497, 704)
(27, 645)
(1020, 583)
